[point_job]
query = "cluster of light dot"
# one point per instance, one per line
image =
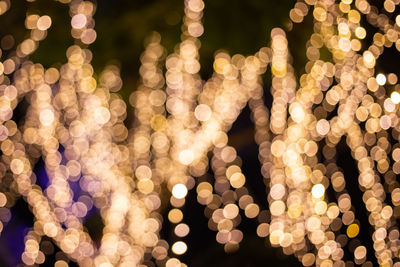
(133, 174)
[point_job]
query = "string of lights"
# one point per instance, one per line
(75, 124)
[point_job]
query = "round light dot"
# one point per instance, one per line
(323, 127)
(50, 229)
(78, 21)
(3, 133)
(46, 117)
(17, 166)
(395, 96)
(263, 230)
(318, 191)
(61, 263)
(182, 230)
(3, 200)
(179, 247)
(202, 112)
(352, 230)
(43, 23)
(102, 115)
(186, 157)
(360, 252)
(381, 79)
(175, 215)
(179, 191)
(230, 211)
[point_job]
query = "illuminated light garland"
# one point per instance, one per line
(123, 171)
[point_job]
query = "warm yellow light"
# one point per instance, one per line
(323, 127)
(44, 23)
(202, 112)
(352, 230)
(180, 131)
(369, 59)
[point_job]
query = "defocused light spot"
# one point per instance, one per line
(43, 23)
(179, 248)
(179, 191)
(78, 21)
(352, 230)
(381, 79)
(186, 157)
(318, 191)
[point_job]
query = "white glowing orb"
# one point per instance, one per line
(318, 191)
(179, 191)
